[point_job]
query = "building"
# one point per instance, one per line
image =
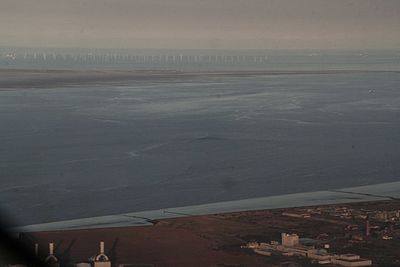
(290, 240)
(263, 252)
(291, 247)
(51, 260)
(351, 260)
(101, 259)
(319, 255)
(367, 228)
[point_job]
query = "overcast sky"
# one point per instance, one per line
(201, 23)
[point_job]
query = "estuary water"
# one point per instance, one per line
(124, 146)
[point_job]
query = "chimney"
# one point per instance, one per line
(36, 249)
(51, 248)
(101, 247)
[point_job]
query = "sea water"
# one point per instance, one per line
(107, 148)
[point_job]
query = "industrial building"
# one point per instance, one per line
(51, 260)
(290, 240)
(101, 259)
(290, 246)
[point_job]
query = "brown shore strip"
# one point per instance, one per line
(18, 78)
(215, 240)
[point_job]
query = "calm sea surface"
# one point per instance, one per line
(108, 148)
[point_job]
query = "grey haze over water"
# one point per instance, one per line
(71, 151)
(339, 24)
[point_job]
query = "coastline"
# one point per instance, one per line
(43, 78)
(223, 239)
(377, 192)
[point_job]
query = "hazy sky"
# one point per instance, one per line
(201, 23)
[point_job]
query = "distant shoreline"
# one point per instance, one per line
(31, 78)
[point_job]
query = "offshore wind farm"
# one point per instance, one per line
(199, 133)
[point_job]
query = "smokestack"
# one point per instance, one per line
(367, 228)
(101, 247)
(51, 248)
(36, 249)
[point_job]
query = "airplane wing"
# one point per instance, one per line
(386, 191)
